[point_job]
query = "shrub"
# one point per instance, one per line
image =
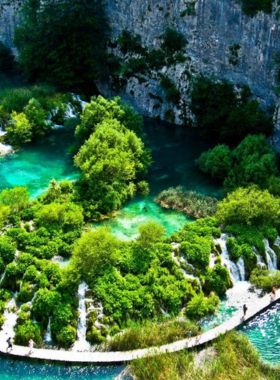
(173, 41)
(249, 206)
(19, 130)
(221, 111)
(193, 204)
(264, 279)
(26, 292)
(66, 336)
(94, 336)
(7, 250)
(217, 279)
(151, 334)
(83, 25)
(199, 306)
(25, 332)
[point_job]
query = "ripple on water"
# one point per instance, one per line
(26, 370)
(264, 331)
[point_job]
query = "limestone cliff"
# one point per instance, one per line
(212, 28)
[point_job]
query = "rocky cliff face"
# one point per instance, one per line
(9, 20)
(212, 30)
(221, 40)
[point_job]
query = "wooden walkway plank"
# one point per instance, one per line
(126, 356)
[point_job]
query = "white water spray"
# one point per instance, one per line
(232, 267)
(81, 343)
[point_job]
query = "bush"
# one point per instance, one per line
(26, 292)
(173, 41)
(217, 279)
(82, 25)
(249, 206)
(265, 279)
(252, 7)
(252, 162)
(25, 332)
(66, 336)
(44, 304)
(94, 336)
(7, 250)
(199, 306)
(221, 111)
(151, 334)
(193, 204)
(197, 254)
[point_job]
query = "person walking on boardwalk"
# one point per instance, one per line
(31, 344)
(10, 344)
(273, 293)
(245, 308)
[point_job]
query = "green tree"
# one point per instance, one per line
(112, 160)
(249, 206)
(37, 117)
(19, 129)
(63, 42)
(17, 198)
(217, 162)
(100, 109)
(227, 114)
(93, 252)
(150, 233)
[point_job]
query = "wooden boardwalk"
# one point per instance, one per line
(126, 356)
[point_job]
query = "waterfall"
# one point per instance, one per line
(241, 267)
(48, 335)
(10, 320)
(232, 267)
(212, 260)
(186, 275)
(81, 343)
(270, 256)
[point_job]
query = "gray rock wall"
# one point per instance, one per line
(216, 25)
(9, 20)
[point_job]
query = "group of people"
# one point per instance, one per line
(10, 345)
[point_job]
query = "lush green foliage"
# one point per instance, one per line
(253, 161)
(235, 359)
(71, 61)
(249, 206)
(264, 279)
(111, 161)
(151, 334)
(199, 306)
(94, 252)
(100, 109)
(222, 112)
(193, 204)
(252, 7)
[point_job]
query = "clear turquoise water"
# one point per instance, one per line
(264, 332)
(35, 165)
(26, 370)
(174, 151)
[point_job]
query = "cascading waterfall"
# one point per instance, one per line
(10, 315)
(81, 343)
(186, 275)
(270, 256)
(48, 335)
(232, 267)
(241, 267)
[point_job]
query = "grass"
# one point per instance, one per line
(235, 359)
(193, 204)
(15, 99)
(152, 334)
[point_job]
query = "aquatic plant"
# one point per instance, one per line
(193, 204)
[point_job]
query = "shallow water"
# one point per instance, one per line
(264, 332)
(174, 151)
(26, 370)
(35, 165)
